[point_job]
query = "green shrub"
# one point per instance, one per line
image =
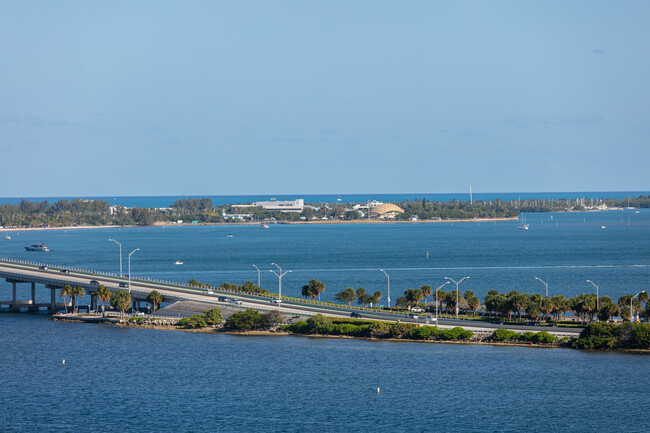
(245, 321)
(379, 330)
(319, 324)
(544, 338)
(640, 337)
(504, 335)
(399, 330)
(453, 333)
(465, 335)
(300, 327)
(528, 336)
(420, 333)
(195, 321)
(599, 335)
(213, 316)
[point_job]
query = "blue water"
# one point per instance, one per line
(117, 380)
(564, 249)
(166, 201)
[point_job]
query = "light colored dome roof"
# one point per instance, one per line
(385, 208)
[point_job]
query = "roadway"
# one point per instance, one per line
(58, 276)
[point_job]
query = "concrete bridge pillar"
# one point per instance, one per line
(52, 299)
(13, 293)
(33, 293)
(93, 301)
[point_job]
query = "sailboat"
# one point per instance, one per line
(524, 226)
(339, 199)
(7, 237)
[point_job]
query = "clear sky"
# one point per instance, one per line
(283, 97)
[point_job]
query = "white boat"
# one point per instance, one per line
(264, 226)
(178, 262)
(602, 227)
(524, 226)
(37, 247)
(339, 199)
(7, 237)
(229, 236)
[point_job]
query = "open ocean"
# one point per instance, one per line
(116, 380)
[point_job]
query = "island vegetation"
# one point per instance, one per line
(83, 212)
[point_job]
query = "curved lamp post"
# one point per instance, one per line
(279, 275)
(113, 240)
(381, 270)
(130, 254)
(543, 282)
(457, 283)
(597, 296)
(258, 275)
(631, 314)
(437, 303)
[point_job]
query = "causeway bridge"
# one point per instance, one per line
(53, 278)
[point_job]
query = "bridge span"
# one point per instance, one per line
(53, 278)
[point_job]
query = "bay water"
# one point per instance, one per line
(117, 379)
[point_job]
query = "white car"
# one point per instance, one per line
(235, 301)
(276, 301)
(208, 292)
(417, 309)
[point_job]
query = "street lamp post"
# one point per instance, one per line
(381, 270)
(279, 275)
(543, 282)
(130, 254)
(597, 295)
(457, 283)
(437, 303)
(631, 299)
(258, 275)
(113, 240)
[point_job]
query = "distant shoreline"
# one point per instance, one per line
(251, 223)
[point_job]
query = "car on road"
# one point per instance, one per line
(138, 313)
(94, 282)
(412, 316)
(355, 314)
(64, 271)
(43, 268)
(222, 299)
(417, 309)
(208, 292)
(124, 284)
(235, 301)
(276, 301)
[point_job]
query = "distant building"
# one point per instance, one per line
(386, 210)
(297, 205)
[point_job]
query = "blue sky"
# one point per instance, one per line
(283, 97)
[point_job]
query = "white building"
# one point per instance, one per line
(278, 205)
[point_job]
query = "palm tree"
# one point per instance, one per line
(155, 298)
(121, 300)
(103, 293)
(377, 295)
(66, 290)
(426, 292)
(77, 291)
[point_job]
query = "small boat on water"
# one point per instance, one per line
(602, 227)
(264, 226)
(7, 237)
(178, 262)
(229, 236)
(523, 227)
(37, 247)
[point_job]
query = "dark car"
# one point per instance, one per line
(44, 268)
(124, 284)
(355, 314)
(94, 282)
(65, 271)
